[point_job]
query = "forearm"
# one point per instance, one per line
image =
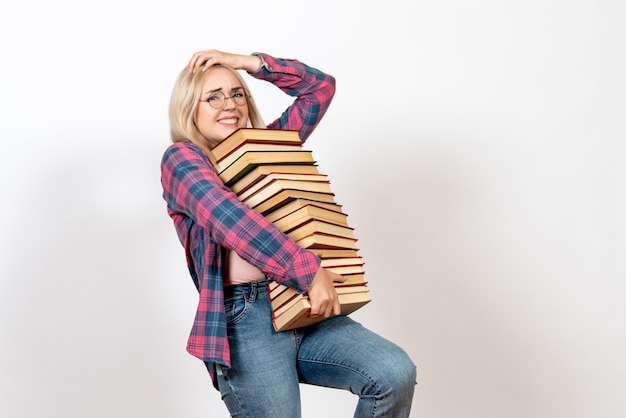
(192, 188)
(313, 89)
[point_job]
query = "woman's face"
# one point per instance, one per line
(217, 123)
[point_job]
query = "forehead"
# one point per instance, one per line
(220, 78)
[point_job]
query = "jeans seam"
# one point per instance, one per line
(361, 373)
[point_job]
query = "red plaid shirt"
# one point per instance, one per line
(210, 219)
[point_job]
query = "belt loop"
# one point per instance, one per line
(254, 291)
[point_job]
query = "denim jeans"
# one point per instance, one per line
(267, 366)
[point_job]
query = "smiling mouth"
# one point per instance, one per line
(229, 121)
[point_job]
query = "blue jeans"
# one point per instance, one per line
(267, 366)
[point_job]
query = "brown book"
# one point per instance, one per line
(277, 185)
(351, 279)
(280, 293)
(233, 156)
(284, 197)
(299, 203)
(244, 164)
(260, 171)
(314, 226)
(243, 195)
(343, 270)
(286, 293)
(276, 289)
(318, 240)
(342, 261)
(307, 213)
(288, 298)
(298, 313)
(252, 135)
(334, 252)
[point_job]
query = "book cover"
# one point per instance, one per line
(334, 252)
(283, 177)
(284, 197)
(251, 159)
(254, 135)
(318, 240)
(298, 313)
(260, 171)
(306, 213)
(299, 203)
(315, 226)
(277, 185)
(234, 155)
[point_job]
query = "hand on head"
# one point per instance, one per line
(202, 60)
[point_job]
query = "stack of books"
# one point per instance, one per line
(270, 172)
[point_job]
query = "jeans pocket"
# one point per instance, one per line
(236, 307)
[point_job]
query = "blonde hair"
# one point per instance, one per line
(184, 101)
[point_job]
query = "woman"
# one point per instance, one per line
(231, 251)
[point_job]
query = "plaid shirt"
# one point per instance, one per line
(210, 219)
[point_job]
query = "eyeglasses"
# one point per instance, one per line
(217, 99)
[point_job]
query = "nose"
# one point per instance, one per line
(229, 103)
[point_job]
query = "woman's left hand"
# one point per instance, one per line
(202, 60)
(322, 294)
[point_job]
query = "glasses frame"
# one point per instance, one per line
(246, 95)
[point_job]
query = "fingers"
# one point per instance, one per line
(323, 295)
(325, 309)
(338, 278)
(202, 60)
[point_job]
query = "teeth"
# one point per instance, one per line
(229, 121)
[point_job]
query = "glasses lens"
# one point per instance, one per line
(239, 97)
(216, 99)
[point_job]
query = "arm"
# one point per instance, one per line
(191, 187)
(313, 89)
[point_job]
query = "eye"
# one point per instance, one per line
(238, 95)
(213, 98)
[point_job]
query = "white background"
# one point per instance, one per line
(477, 146)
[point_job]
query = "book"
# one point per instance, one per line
(299, 203)
(279, 294)
(297, 315)
(342, 261)
(277, 185)
(317, 240)
(307, 212)
(325, 252)
(285, 294)
(343, 270)
(314, 226)
(352, 279)
(284, 197)
(289, 298)
(251, 159)
(234, 155)
(252, 135)
(249, 191)
(260, 171)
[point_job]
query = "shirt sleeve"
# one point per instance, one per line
(313, 89)
(191, 187)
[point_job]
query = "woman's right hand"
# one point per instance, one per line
(202, 60)
(322, 294)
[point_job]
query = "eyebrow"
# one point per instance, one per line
(220, 89)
